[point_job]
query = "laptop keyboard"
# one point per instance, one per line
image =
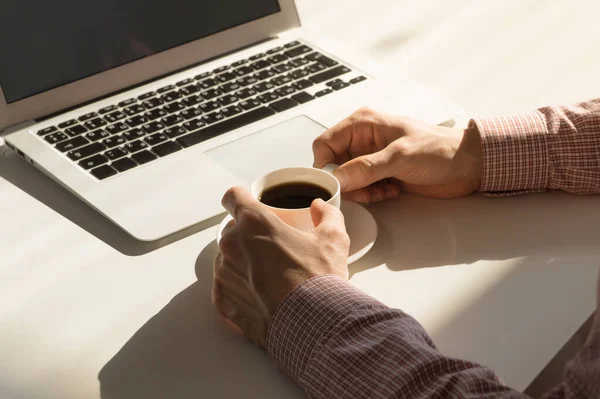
(119, 137)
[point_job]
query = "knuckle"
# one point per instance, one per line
(365, 111)
(227, 245)
(365, 166)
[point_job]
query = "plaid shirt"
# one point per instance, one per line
(337, 342)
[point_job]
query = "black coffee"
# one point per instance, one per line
(295, 195)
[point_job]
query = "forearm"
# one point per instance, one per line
(338, 342)
(553, 148)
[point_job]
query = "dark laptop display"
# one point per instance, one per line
(67, 40)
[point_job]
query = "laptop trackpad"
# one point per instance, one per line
(284, 145)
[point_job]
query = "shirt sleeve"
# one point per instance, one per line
(553, 148)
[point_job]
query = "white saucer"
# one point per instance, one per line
(360, 225)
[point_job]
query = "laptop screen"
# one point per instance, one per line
(47, 44)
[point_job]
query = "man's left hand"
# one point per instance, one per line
(262, 259)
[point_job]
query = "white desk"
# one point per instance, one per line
(85, 311)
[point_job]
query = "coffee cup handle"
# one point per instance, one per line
(330, 167)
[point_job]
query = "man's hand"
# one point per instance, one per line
(262, 259)
(381, 155)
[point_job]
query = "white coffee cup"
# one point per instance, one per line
(299, 218)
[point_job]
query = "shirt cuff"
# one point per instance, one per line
(307, 315)
(514, 152)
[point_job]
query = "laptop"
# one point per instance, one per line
(149, 111)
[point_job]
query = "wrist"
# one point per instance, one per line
(471, 144)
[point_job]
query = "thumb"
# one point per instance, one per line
(325, 215)
(363, 171)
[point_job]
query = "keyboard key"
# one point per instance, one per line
(267, 97)
(153, 127)
(185, 82)
(238, 63)
(283, 104)
(92, 162)
(86, 151)
(171, 96)
(262, 64)
(303, 97)
(95, 123)
(146, 95)
(134, 134)
(155, 114)
(303, 84)
(143, 157)
(228, 99)
(67, 124)
(191, 101)
(172, 120)
(245, 70)
(166, 148)
(339, 85)
(127, 102)
(231, 111)
(134, 109)
(285, 91)
(136, 120)
(266, 74)
(116, 128)
(298, 62)
(75, 130)
(221, 69)
(229, 87)
(256, 56)
(202, 76)
(247, 80)
(357, 79)
(226, 77)
(321, 58)
(292, 44)
(174, 107)
(225, 126)
(108, 109)
(245, 93)
(152, 102)
(103, 172)
(264, 86)
(115, 116)
(250, 104)
(87, 116)
(165, 89)
(281, 80)
(276, 59)
(72, 144)
(193, 124)
(323, 92)
(114, 141)
(282, 68)
(191, 113)
(333, 82)
(315, 68)
(156, 139)
(207, 84)
(97, 135)
(115, 153)
(330, 74)
(212, 93)
(298, 74)
(295, 52)
(47, 130)
(211, 118)
(274, 50)
(124, 164)
(209, 106)
(135, 146)
(56, 137)
(175, 131)
(189, 90)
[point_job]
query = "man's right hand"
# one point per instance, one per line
(381, 155)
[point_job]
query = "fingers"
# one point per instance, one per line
(236, 199)
(365, 170)
(326, 215)
(380, 191)
(332, 146)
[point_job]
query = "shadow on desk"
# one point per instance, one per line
(188, 351)
(33, 182)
